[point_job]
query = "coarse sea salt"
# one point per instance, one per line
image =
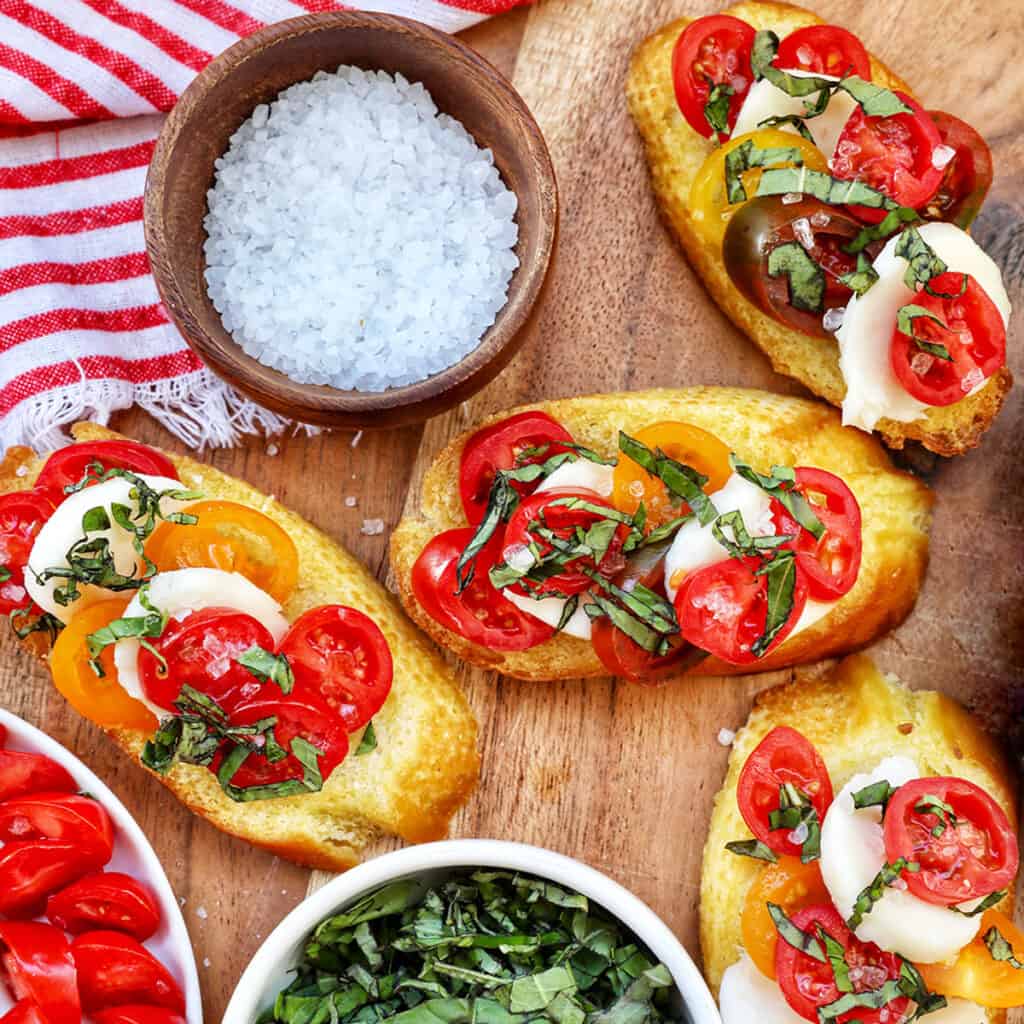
(357, 237)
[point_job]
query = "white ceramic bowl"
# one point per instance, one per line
(132, 855)
(270, 968)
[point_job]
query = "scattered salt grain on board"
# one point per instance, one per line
(726, 737)
(372, 527)
(357, 237)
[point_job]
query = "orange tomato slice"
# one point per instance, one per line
(99, 698)
(231, 537)
(975, 975)
(683, 442)
(790, 884)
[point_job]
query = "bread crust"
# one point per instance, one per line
(426, 763)
(855, 717)
(675, 153)
(765, 429)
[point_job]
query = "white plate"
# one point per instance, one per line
(132, 855)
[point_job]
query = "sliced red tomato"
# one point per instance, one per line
(972, 856)
(723, 609)
(65, 816)
(200, 651)
(32, 869)
(481, 613)
(115, 970)
(710, 51)
(67, 466)
(783, 757)
(105, 900)
(39, 967)
(23, 1012)
(137, 1015)
(23, 773)
(966, 178)
(895, 155)
(501, 446)
(824, 50)
(22, 514)
(341, 654)
(972, 332)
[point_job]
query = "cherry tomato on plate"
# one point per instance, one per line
(824, 50)
(22, 514)
(67, 466)
(115, 970)
(107, 899)
(973, 856)
(137, 1015)
(23, 1012)
(710, 51)
(39, 967)
(481, 613)
(972, 332)
(64, 816)
(966, 178)
(23, 773)
(32, 869)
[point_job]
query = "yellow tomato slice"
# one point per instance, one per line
(709, 204)
(683, 442)
(790, 884)
(99, 698)
(975, 975)
(231, 537)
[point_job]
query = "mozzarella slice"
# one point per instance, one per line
(581, 473)
(873, 390)
(747, 995)
(181, 591)
(64, 528)
(852, 854)
(549, 610)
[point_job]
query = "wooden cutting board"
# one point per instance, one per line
(618, 775)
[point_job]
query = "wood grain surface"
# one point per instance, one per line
(618, 775)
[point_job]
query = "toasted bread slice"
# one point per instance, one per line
(765, 430)
(425, 764)
(676, 152)
(855, 717)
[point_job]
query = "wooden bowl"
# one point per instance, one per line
(254, 71)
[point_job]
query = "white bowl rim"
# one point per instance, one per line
(247, 999)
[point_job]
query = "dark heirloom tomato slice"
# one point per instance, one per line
(115, 969)
(65, 816)
(710, 51)
(967, 177)
(481, 613)
(38, 964)
(137, 1015)
(972, 331)
(783, 756)
(67, 466)
(342, 654)
(825, 50)
(32, 869)
(105, 900)
(22, 514)
(973, 856)
(22, 774)
(498, 447)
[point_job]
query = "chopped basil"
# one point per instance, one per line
(5, 574)
(781, 486)
(738, 542)
(874, 100)
(909, 984)
(568, 611)
(929, 804)
(780, 181)
(745, 156)
(872, 893)
(794, 936)
(991, 900)
(302, 750)
(798, 122)
(878, 794)
(905, 318)
(24, 623)
(836, 953)
(780, 572)
(267, 666)
(368, 742)
(806, 278)
(716, 110)
(862, 278)
(1000, 949)
(681, 481)
(134, 627)
(651, 608)
(922, 262)
(665, 532)
(765, 47)
(753, 848)
(95, 519)
(796, 812)
(638, 631)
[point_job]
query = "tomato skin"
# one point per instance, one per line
(497, 447)
(23, 1012)
(32, 869)
(824, 50)
(137, 1015)
(67, 466)
(967, 178)
(22, 774)
(713, 50)
(65, 816)
(108, 900)
(38, 962)
(22, 514)
(974, 858)
(115, 969)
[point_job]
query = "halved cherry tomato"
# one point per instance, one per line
(32, 869)
(972, 857)
(115, 969)
(22, 773)
(789, 884)
(895, 155)
(696, 448)
(232, 537)
(830, 563)
(65, 816)
(481, 613)
(23, 1012)
(101, 699)
(808, 983)
(708, 202)
(38, 964)
(200, 651)
(22, 514)
(976, 975)
(341, 654)
(972, 332)
(499, 446)
(723, 609)
(107, 899)
(710, 51)
(548, 509)
(67, 466)
(783, 756)
(967, 177)
(137, 1015)
(825, 50)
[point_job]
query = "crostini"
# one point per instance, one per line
(250, 662)
(861, 860)
(826, 211)
(705, 530)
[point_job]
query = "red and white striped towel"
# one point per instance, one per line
(84, 85)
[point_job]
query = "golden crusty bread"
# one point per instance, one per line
(425, 765)
(675, 153)
(855, 717)
(765, 430)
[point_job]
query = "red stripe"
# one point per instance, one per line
(486, 6)
(319, 6)
(11, 114)
(52, 172)
(224, 15)
(174, 46)
(114, 268)
(138, 79)
(28, 128)
(41, 324)
(72, 222)
(67, 93)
